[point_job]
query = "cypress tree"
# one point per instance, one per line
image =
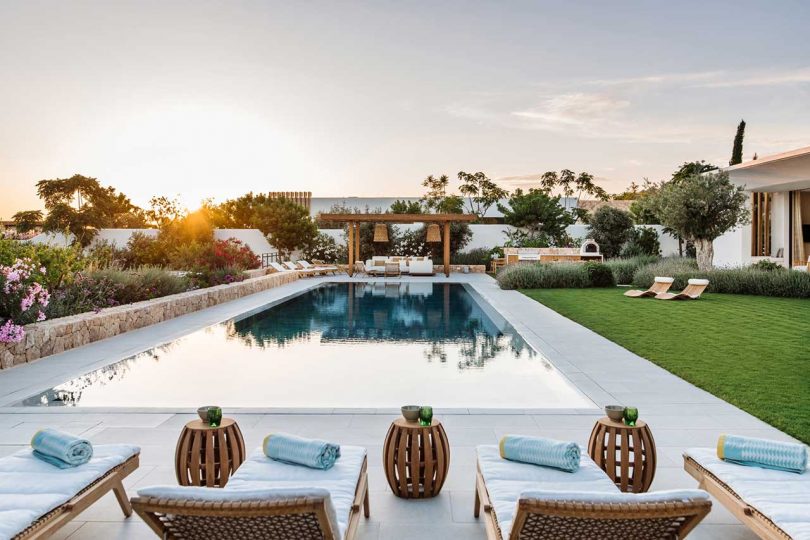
(737, 151)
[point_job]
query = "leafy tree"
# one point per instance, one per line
(569, 183)
(538, 213)
(163, 211)
(482, 192)
(691, 168)
(436, 198)
(27, 220)
(406, 207)
(643, 241)
(702, 207)
(737, 149)
(286, 223)
(95, 207)
(611, 228)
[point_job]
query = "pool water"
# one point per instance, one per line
(340, 345)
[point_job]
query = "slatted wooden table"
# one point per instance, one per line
(208, 456)
(416, 458)
(625, 453)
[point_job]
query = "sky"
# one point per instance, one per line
(214, 99)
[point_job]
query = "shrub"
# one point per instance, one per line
(477, 256)
(411, 243)
(643, 241)
(624, 268)
(22, 299)
(199, 255)
(60, 263)
(233, 253)
(143, 250)
(599, 275)
(544, 276)
(210, 277)
(325, 248)
(767, 266)
(790, 284)
(611, 228)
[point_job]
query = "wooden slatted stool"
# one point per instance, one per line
(416, 458)
(625, 453)
(208, 456)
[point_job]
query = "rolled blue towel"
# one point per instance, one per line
(61, 449)
(541, 451)
(312, 453)
(778, 455)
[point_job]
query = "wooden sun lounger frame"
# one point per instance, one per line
(691, 292)
(54, 520)
(658, 287)
(684, 516)
(749, 516)
(160, 514)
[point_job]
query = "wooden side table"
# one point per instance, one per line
(208, 456)
(416, 458)
(625, 453)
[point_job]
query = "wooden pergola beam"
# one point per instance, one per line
(354, 221)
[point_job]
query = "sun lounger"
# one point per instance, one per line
(773, 504)
(264, 499)
(324, 269)
(528, 502)
(693, 290)
(37, 499)
(659, 286)
(278, 267)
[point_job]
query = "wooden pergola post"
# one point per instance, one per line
(351, 249)
(357, 242)
(446, 240)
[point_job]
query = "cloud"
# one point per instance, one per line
(712, 79)
(765, 78)
(576, 109)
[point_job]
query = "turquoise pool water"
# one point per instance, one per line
(335, 346)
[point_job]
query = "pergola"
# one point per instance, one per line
(354, 221)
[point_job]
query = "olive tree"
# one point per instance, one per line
(611, 228)
(701, 207)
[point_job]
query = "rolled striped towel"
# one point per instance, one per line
(61, 449)
(778, 455)
(313, 453)
(540, 451)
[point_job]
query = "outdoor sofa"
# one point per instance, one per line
(530, 502)
(264, 499)
(37, 499)
(415, 266)
(773, 504)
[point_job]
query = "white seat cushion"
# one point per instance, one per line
(30, 488)
(782, 496)
(506, 480)
(340, 481)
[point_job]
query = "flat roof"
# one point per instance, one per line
(781, 172)
(798, 152)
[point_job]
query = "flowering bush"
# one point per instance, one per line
(22, 299)
(214, 255)
(206, 277)
(411, 244)
(324, 248)
(233, 253)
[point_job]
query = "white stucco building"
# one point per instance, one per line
(780, 209)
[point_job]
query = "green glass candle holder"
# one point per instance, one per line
(630, 416)
(425, 415)
(214, 416)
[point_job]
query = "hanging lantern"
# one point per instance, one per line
(433, 233)
(380, 232)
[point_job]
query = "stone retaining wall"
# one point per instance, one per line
(58, 335)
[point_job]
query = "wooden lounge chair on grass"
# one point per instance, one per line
(37, 499)
(529, 502)
(693, 290)
(264, 499)
(660, 285)
(775, 505)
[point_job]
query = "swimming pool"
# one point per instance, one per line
(339, 345)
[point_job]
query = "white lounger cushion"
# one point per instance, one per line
(259, 472)
(698, 282)
(659, 279)
(781, 496)
(673, 495)
(507, 480)
(30, 488)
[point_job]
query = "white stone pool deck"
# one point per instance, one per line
(679, 414)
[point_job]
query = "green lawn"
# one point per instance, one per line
(752, 351)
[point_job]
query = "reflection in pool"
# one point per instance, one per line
(338, 345)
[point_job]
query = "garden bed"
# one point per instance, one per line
(61, 334)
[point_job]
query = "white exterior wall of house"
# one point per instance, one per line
(490, 236)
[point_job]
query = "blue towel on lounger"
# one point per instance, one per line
(540, 451)
(777, 455)
(312, 453)
(61, 449)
